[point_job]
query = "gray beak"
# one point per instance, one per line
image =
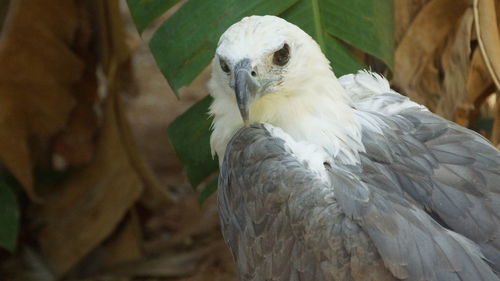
(245, 87)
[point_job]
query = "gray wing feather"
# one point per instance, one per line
(462, 187)
(283, 223)
(452, 171)
(412, 245)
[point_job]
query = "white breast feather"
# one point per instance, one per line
(312, 156)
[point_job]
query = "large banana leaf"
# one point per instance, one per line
(185, 43)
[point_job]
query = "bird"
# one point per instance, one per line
(326, 178)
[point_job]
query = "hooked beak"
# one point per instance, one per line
(245, 87)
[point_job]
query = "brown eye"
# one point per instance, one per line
(224, 66)
(282, 56)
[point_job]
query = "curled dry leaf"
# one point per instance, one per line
(74, 145)
(416, 53)
(126, 244)
(116, 49)
(404, 12)
(455, 62)
(92, 202)
(444, 69)
(478, 77)
(39, 70)
(478, 81)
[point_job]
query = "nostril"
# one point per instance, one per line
(254, 73)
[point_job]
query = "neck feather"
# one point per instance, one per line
(319, 114)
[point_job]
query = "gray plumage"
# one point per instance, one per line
(422, 204)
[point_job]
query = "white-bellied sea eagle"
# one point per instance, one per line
(326, 178)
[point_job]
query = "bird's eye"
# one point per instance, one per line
(282, 56)
(224, 66)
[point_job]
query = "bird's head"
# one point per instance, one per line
(261, 56)
(268, 70)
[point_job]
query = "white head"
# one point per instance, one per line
(268, 70)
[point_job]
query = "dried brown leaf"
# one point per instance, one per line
(126, 244)
(185, 220)
(455, 62)
(117, 53)
(155, 195)
(428, 89)
(417, 51)
(478, 81)
(405, 11)
(74, 146)
(93, 201)
(171, 264)
(39, 70)
(97, 198)
(478, 77)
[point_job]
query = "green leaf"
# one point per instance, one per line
(343, 62)
(144, 12)
(184, 45)
(208, 190)
(9, 217)
(189, 135)
(365, 24)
